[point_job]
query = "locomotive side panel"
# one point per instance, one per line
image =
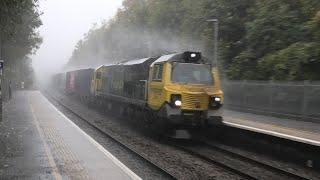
(70, 82)
(82, 82)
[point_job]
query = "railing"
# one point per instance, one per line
(299, 99)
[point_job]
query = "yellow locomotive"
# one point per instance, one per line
(180, 88)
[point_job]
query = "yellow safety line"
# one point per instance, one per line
(96, 144)
(55, 170)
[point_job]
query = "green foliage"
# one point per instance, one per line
(314, 26)
(243, 66)
(259, 39)
(19, 20)
(299, 61)
(18, 35)
(280, 35)
(276, 25)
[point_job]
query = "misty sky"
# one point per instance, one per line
(64, 23)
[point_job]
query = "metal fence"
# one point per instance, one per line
(285, 98)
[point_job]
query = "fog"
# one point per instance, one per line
(129, 43)
(64, 23)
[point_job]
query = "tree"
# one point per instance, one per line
(18, 38)
(279, 38)
(259, 39)
(18, 35)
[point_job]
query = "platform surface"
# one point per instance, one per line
(39, 142)
(297, 130)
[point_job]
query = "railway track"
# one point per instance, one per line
(243, 166)
(167, 173)
(230, 161)
(256, 162)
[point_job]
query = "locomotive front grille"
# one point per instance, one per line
(195, 101)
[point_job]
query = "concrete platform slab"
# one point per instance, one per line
(54, 147)
(300, 131)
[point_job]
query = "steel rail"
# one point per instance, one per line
(228, 167)
(215, 162)
(99, 129)
(236, 157)
(253, 161)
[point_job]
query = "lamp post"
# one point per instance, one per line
(216, 34)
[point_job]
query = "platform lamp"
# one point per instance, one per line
(216, 34)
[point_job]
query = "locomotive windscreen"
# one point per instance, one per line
(189, 73)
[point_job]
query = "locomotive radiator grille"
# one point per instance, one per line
(195, 101)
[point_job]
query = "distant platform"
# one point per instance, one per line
(300, 131)
(39, 142)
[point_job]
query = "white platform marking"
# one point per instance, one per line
(100, 147)
(273, 133)
(55, 170)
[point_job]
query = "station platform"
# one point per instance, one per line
(39, 142)
(300, 131)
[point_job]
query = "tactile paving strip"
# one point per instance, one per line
(67, 162)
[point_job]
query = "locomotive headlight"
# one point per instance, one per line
(176, 100)
(215, 102)
(177, 103)
(217, 99)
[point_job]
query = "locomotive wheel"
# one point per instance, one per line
(148, 118)
(160, 125)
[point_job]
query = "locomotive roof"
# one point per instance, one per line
(164, 58)
(191, 57)
(99, 67)
(105, 65)
(77, 69)
(69, 69)
(136, 61)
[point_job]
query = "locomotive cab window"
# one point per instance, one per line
(157, 72)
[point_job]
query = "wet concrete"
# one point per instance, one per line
(22, 153)
(38, 142)
(307, 132)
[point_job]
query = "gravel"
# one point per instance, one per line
(180, 164)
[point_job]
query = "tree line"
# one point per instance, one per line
(19, 38)
(259, 39)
